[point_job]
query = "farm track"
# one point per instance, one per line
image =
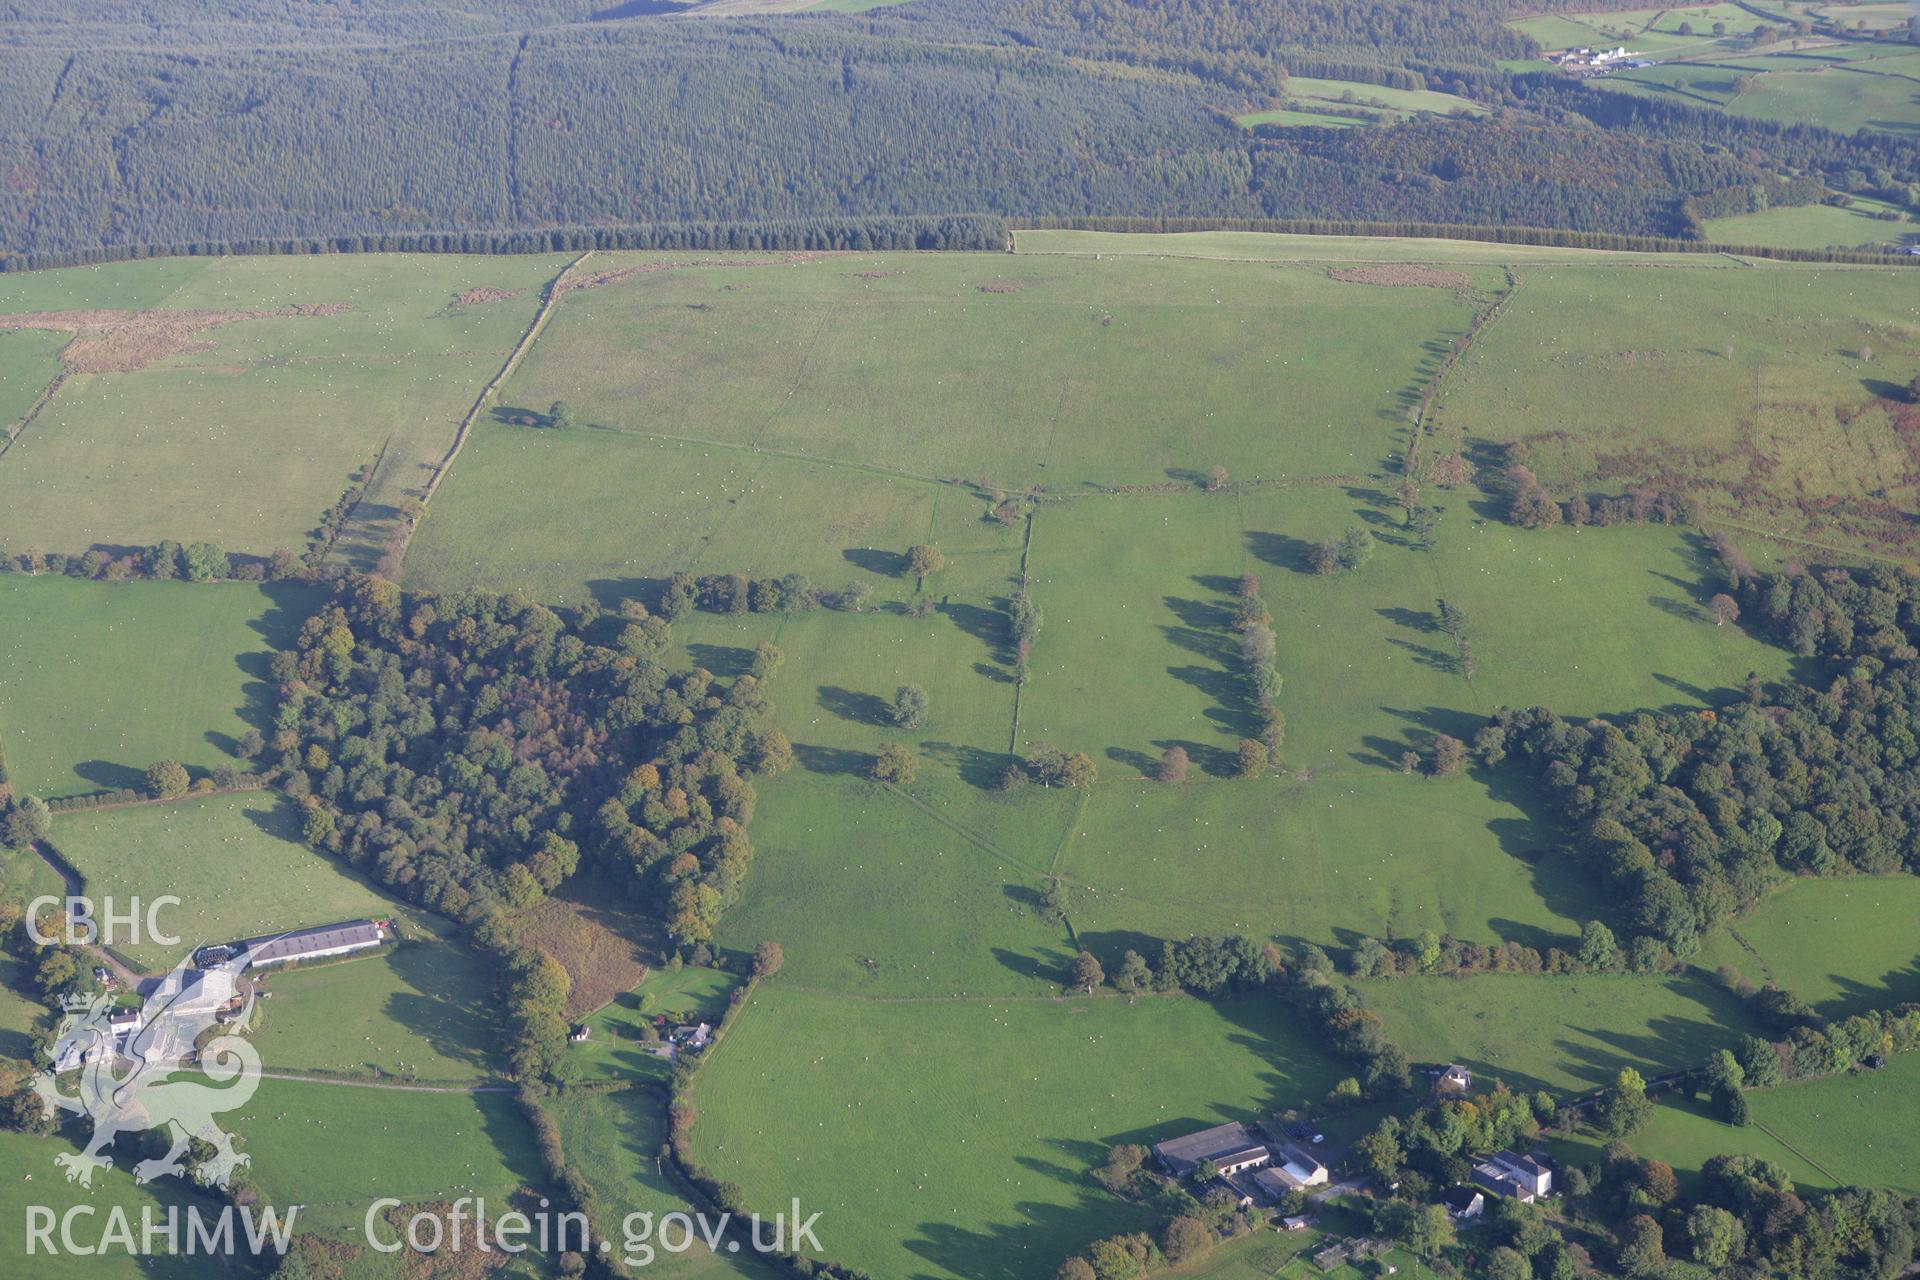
(26, 420)
(382, 1084)
(549, 302)
(1837, 1179)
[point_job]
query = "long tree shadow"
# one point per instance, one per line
(818, 759)
(860, 708)
(724, 660)
(1280, 550)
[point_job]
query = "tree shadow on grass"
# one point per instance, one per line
(1280, 550)
(726, 661)
(111, 776)
(1428, 656)
(888, 564)
(832, 760)
(860, 708)
(976, 767)
(1412, 619)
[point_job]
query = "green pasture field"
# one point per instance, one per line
(1310, 87)
(1055, 372)
(661, 506)
(137, 285)
(337, 1148)
(235, 862)
(1878, 17)
(33, 1180)
(1145, 584)
(1569, 1034)
(1843, 945)
(1843, 90)
(929, 891)
(20, 1014)
(614, 1141)
(1683, 1132)
(833, 693)
(1589, 365)
(1814, 226)
(422, 1011)
(1858, 1128)
(29, 362)
(1323, 861)
(615, 1050)
(105, 678)
(246, 443)
(988, 1177)
(1306, 95)
(24, 876)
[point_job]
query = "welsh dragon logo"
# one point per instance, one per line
(148, 1094)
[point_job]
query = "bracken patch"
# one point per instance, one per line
(108, 341)
(1401, 274)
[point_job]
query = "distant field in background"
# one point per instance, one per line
(1571, 1034)
(1307, 96)
(1009, 1105)
(424, 1011)
(614, 1141)
(1814, 226)
(105, 678)
(247, 441)
(1266, 246)
(235, 862)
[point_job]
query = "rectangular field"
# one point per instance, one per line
(235, 862)
(423, 1011)
(336, 1148)
(993, 1183)
(243, 431)
(1570, 1034)
(105, 678)
(1843, 945)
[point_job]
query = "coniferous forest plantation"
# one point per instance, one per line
(959, 640)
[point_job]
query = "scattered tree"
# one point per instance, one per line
(1173, 764)
(1723, 609)
(767, 959)
(894, 763)
(925, 561)
(909, 706)
(1087, 973)
(167, 780)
